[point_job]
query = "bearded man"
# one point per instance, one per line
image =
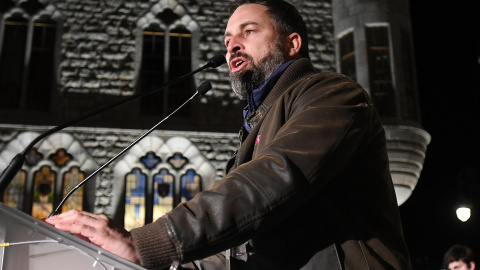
(309, 187)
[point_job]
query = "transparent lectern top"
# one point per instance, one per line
(36, 245)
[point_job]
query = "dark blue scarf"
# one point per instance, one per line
(258, 95)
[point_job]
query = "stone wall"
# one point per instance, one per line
(98, 62)
(103, 144)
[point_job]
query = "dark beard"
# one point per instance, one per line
(244, 82)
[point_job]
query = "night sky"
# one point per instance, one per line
(447, 51)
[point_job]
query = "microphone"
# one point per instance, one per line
(201, 90)
(17, 162)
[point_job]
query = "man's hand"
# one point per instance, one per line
(100, 230)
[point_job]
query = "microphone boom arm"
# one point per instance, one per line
(202, 89)
(17, 162)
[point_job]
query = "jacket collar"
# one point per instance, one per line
(257, 96)
(292, 74)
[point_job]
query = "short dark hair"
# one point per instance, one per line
(285, 17)
(458, 253)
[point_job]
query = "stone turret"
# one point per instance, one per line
(374, 46)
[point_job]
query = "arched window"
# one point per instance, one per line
(149, 195)
(166, 55)
(155, 182)
(44, 181)
(12, 59)
(135, 195)
(71, 178)
(180, 64)
(41, 67)
(27, 49)
(191, 184)
(14, 194)
(163, 192)
(152, 70)
(49, 173)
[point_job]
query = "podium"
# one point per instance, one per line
(36, 245)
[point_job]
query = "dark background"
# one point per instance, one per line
(447, 51)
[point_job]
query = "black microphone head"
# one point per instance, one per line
(204, 88)
(217, 60)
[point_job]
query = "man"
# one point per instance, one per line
(309, 187)
(459, 257)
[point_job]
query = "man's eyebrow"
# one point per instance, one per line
(242, 26)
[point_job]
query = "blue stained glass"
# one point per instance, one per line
(190, 184)
(137, 211)
(33, 157)
(135, 187)
(139, 189)
(164, 188)
(150, 160)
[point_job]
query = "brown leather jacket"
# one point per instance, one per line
(309, 188)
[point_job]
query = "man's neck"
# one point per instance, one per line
(256, 97)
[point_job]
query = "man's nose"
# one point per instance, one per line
(235, 45)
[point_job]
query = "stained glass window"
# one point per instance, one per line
(135, 194)
(177, 178)
(13, 195)
(168, 189)
(163, 196)
(43, 192)
(41, 183)
(61, 157)
(33, 157)
(70, 179)
(150, 160)
(177, 160)
(191, 184)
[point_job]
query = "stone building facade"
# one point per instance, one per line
(97, 59)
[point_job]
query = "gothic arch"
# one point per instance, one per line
(37, 17)
(184, 20)
(49, 146)
(163, 149)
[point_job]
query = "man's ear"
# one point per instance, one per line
(472, 265)
(294, 44)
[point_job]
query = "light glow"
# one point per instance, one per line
(463, 213)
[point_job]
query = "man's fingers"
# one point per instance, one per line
(99, 230)
(63, 217)
(88, 226)
(78, 217)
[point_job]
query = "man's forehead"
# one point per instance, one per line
(241, 26)
(248, 14)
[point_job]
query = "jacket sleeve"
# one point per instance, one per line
(306, 139)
